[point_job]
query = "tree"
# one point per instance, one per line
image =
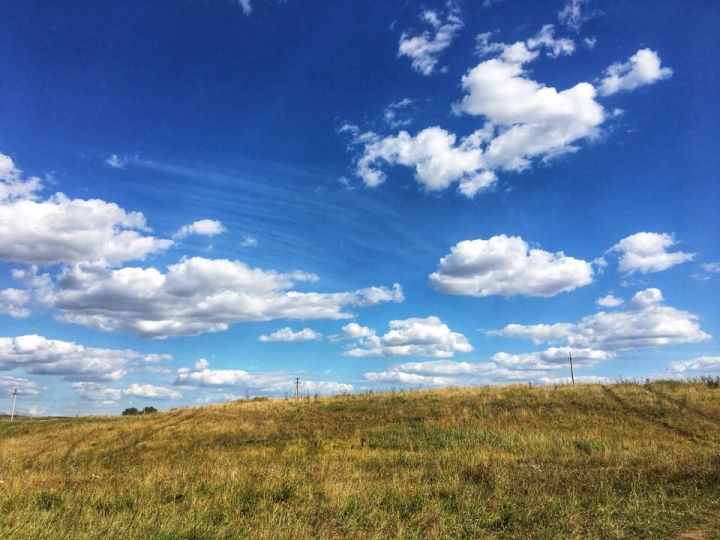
(149, 410)
(131, 411)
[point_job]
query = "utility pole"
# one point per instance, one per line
(297, 387)
(572, 374)
(12, 416)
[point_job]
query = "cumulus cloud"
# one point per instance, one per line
(151, 391)
(24, 386)
(645, 321)
(713, 267)
(531, 120)
(13, 302)
(13, 184)
(42, 356)
(424, 49)
(506, 265)
(642, 68)
(647, 252)
(537, 333)
(63, 230)
(543, 367)
(267, 382)
(696, 366)
(203, 227)
(551, 358)
(523, 120)
(287, 334)
(433, 153)
(609, 301)
(428, 337)
(194, 296)
(104, 395)
(96, 392)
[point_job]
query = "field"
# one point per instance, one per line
(585, 461)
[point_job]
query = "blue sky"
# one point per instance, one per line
(202, 199)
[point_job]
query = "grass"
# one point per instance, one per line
(622, 461)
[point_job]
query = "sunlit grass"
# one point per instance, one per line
(632, 461)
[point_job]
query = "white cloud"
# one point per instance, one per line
(642, 68)
(246, 6)
(609, 301)
(644, 322)
(590, 43)
(156, 358)
(248, 241)
(433, 153)
(287, 334)
(524, 120)
(543, 367)
(537, 333)
(13, 185)
(551, 358)
(647, 252)
(13, 301)
(59, 229)
(573, 14)
(107, 396)
(267, 382)
(531, 119)
(394, 114)
(116, 162)
(696, 366)
(96, 392)
(706, 271)
(424, 49)
(203, 227)
(194, 296)
(151, 391)
(24, 386)
(428, 337)
(522, 52)
(545, 38)
(506, 265)
(42, 356)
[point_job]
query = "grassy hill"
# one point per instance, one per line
(627, 460)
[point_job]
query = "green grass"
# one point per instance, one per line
(624, 461)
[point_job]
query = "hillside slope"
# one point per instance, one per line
(633, 461)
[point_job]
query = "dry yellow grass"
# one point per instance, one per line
(624, 461)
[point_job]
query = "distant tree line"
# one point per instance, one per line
(133, 411)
